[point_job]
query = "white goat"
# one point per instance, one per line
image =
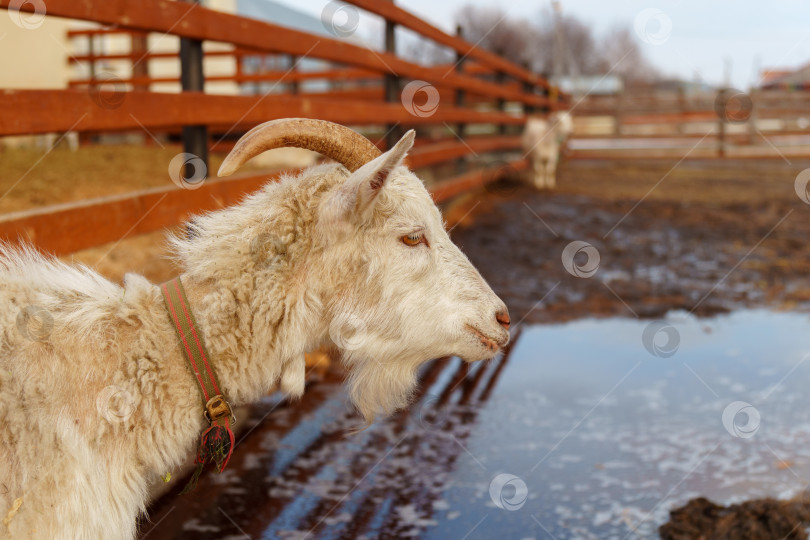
(96, 399)
(543, 139)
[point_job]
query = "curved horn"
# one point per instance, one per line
(334, 141)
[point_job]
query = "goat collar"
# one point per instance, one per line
(217, 442)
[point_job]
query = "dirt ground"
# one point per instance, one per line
(751, 520)
(705, 237)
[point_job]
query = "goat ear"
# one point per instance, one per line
(368, 180)
(355, 198)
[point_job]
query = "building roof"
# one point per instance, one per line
(773, 78)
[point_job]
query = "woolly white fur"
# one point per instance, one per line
(268, 279)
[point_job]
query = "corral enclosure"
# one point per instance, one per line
(660, 359)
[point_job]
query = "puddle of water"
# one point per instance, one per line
(603, 425)
(608, 436)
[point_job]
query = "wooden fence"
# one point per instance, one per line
(649, 123)
(482, 93)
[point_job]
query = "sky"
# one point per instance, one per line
(714, 41)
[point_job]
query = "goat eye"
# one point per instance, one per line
(413, 239)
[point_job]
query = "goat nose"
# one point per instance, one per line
(503, 318)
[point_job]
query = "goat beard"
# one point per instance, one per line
(380, 386)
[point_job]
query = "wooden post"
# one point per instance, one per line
(392, 86)
(192, 79)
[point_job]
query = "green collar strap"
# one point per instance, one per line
(217, 442)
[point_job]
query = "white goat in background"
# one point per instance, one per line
(96, 399)
(543, 139)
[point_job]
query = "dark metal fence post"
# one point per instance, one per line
(192, 79)
(500, 78)
(617, 113)
(460, 102)
(461, 96)
(682, 110)
(91, 51)
(294, 85)
(528, 88)
(85, 137)
(722, 96)
(550, 92)
(139, 47)
(392, 88)
(752, 120)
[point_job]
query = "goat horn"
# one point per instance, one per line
(334, 141)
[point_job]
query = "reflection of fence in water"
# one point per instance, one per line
(452, 389)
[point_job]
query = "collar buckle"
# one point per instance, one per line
(217, 408)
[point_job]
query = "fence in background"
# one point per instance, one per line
(474, 106)
(648, 123)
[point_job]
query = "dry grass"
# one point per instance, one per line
(34, 178)
(31, 178)
(730, 181)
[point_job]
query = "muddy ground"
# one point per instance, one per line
(751, 520)
(704, 237)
